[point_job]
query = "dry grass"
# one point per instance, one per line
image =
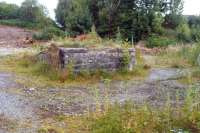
(7, 124)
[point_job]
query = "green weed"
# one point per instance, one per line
(130, 118)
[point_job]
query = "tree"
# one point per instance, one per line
(74, 16)
(61, 11)
(111, 7)
(134, 18)
(193, 21)
(173, 13)
(184, 32)
(32, 11)
(8, 11)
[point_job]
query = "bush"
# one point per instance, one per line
(184, 33)
(125, 61)
(195, 34)
(159, 41)
(49, 33)
(191, 54)
(170, 33)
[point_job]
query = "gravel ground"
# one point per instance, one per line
(17, 109)
(155, 90)
(30, 105)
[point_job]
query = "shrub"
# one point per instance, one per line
(195, 34)
(118, 36)
(159, 41)
(49, 33)
(184, 33)
(191, 54)
(125, 61)
(170, 33)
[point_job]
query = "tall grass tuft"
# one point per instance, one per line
(129, 118)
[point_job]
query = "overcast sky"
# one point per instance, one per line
(191, 6)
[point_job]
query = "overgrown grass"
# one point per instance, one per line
(160, 41)
(145, 119)
(49, 33)
(92, 40)
(131, 118)
(179, 56)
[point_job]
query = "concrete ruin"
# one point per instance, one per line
(109, 59)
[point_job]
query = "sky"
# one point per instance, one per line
(191, 7)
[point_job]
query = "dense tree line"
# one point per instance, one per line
(8, 11)
(137, 18)
(29, 11)
(131, 19)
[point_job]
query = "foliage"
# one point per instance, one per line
(157, 23)
(191, 54)
(172, 21)
(134, 18)
(74, 16)
(184, 33)
(125, 60)
(159, 41)
(130, 118)
(31, 10)
(8, 11)
(119, 36)
(193, 21)
(49, 33)
(30, 14)
(179, 56)
(195, 33)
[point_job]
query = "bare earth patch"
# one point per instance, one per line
(14, 37)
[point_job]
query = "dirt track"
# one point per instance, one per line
(13, 36)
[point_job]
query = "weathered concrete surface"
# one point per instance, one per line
(87, 59)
